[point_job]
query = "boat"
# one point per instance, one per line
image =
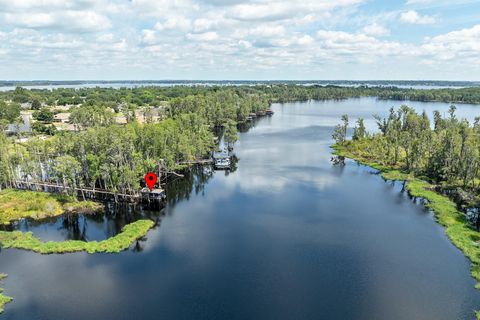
(221, 161)
(156, 194)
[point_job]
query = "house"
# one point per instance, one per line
(61, 108)
(18, 128)
(62, 117)
(62, 126)
(154, 114)
(26, 105)
(120, 120)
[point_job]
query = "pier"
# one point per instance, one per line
(92, 194)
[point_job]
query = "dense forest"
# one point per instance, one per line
(103, 154)
(107, 146)
(445, 150)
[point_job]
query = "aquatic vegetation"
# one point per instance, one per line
(122, 241)
(3, 298)
(17, 204)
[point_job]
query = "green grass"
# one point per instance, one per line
(456, 226)
(17, 204)
(3, 298)
(122, 241)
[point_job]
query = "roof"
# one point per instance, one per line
(220, 155)
(121, 120)
(62, 116)
(64, 126)
(18, 128)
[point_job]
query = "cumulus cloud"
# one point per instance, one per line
(462, 44)
(207, 36)
(213, 38)
(64, 20)
(418, 1)
(283, 9)
(413, 17)
(376, 30)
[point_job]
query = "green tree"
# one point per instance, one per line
(43, 115)
(9, 112)
(359, 132)
(340, 131)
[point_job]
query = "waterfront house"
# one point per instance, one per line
(62, 117)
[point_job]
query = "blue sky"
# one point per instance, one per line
(239, 39)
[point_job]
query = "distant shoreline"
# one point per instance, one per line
(9, 85)
(4, 83)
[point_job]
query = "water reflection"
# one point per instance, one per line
(86, 227)
(284, 236)
(110, 222)
(193, 181)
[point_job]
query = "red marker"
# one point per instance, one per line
(150, 180)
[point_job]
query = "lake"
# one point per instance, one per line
(287, 235)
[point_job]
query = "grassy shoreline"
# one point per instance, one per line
(18, 204)
(122, 241)
(3, 298)
(457, 228)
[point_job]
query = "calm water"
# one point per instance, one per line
(287, 235)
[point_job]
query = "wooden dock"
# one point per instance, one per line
(82, 193)
(201, 161)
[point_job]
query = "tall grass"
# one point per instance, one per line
(17, 204)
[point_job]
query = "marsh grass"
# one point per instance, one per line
(17, 204)
(3, 298)
(122, 241)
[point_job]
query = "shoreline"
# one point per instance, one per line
(455, 224)
(120, 242)
(3, 298)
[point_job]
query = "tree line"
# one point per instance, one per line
(104, 154)
(115, 157)
(444, 150)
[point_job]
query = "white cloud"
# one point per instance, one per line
(412, 17)
(207, 36)
(216, 38)
(305, 40)
(44, 5)
(65, 20)
(418, 1)
(376, 30)
(180, 24)
(462, 46)
(270, 10)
